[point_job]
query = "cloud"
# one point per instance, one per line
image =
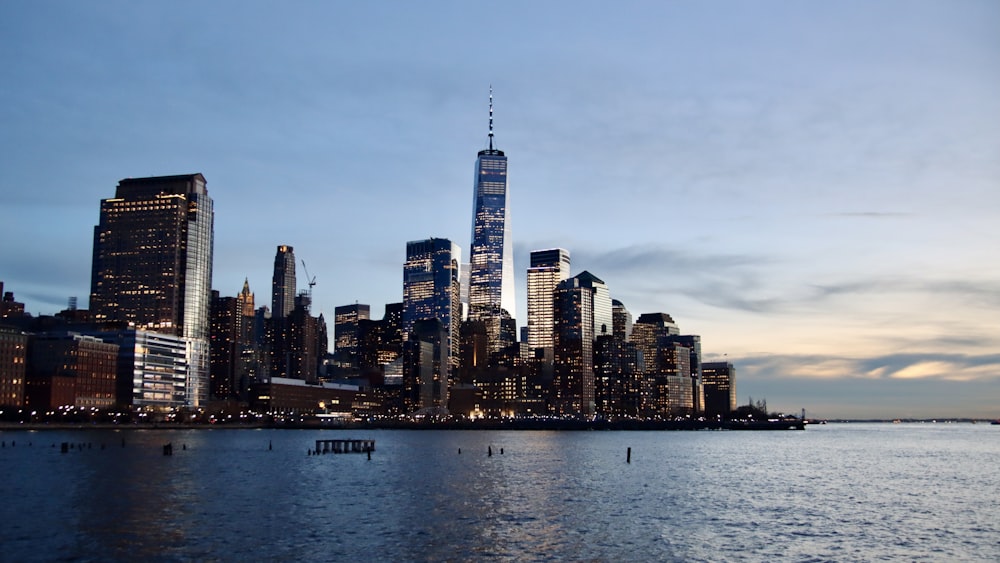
(936, 366)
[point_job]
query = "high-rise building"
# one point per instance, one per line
(547, 269)
(491, 262)
(234, 352)
(282, 305)
(152, 265)
(431, 291)
(283, 282)
(345, 329)
(720, 388)
(646, 333)
(582, 313)
(622, 320)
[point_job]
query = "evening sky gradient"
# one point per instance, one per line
(810, 186)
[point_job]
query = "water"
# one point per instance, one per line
(846, 492)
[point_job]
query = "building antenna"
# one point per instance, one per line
(491, 117)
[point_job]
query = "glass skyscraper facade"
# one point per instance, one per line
(547, 269)
(491, 256)
(582, 312)
(283, 282)
(431, 290)
(152, 265)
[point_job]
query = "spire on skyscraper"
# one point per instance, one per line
(491, 117)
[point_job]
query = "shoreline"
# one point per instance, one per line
(561, 425)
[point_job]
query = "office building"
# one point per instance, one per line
(13, 366)
(547, 268)
(152, 266)
(581, 304)
(719, 380)
(345, 331)
(491, 258)
(621, 318)
(431, 291)
(283, 282)
(71, 369)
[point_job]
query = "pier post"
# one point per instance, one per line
(628, 456)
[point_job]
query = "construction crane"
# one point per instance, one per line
(309, 280)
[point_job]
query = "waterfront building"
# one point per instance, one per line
(153, 369)
(431, 291)
(13, 366)
(693, 344)
(281, 396)
(618, 367)
(547, 268)
(670, 381)
(491, 258)
(719, 380)
(71, 369)
(152, 266)
(582, 312)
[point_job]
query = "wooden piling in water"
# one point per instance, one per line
(628, 456)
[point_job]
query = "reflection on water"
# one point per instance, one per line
(833, 493)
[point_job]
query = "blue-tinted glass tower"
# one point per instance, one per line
(431, 291)
(491, 258)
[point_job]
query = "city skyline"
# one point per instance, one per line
(810, 188)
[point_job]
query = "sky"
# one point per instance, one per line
(813, 187)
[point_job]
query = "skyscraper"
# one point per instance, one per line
(152, 264)
(282, 305)
(547, 269)
(431, 291)
(345, 323)
(283, 282)
(491, 262)
(582, 309)
(720, 388)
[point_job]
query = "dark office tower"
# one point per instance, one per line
(425, 375)
(305, 342)
(152, 267)
(282, 305)
(617, 381)
(491, 262)
(720, 388)
(621, 318)
(547, 269)
(579, 303)
(380, 343)
(283, 283)
(233, 350)
(225, 325)
(431, 291)
(345, 330)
